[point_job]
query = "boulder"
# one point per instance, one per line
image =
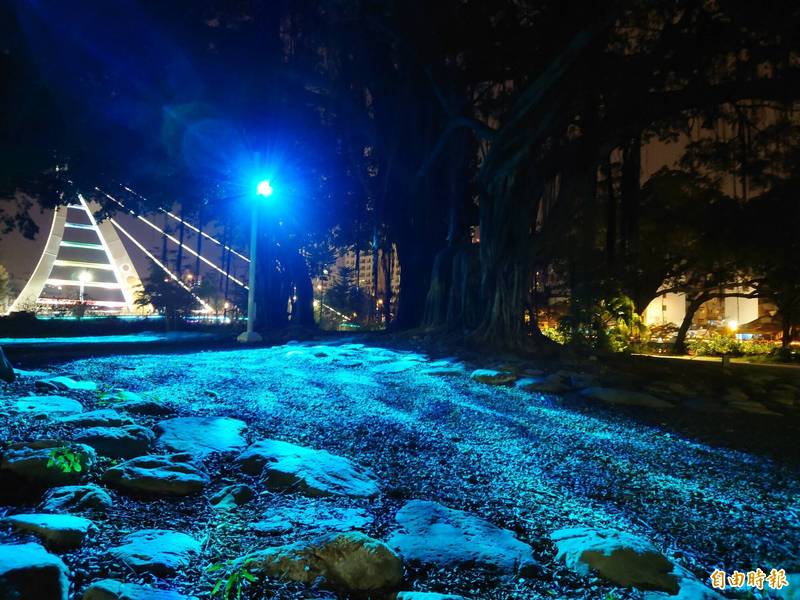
(200, 436)
(158, 551)
(624, 397)
(48, 405)
(493, 377)
(433, 534)
(62, 383)
(161, 475)
(144, 407)
(622, 558)
(76, 498)
(307, 516)
(232, 496)
(63, 532)
(105, 417)
(352, 561)
(118, 442)
(34, 461)
(286, 466)
(29, 572)
(110, 589)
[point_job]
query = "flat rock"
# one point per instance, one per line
(63, 532)
(118, 442)
(76, 498)
(48, 405)
(555, 383)
(753, 407)
(396, 366)
(111, 589)
(200, 436)
(493, 377)
(622, 558)
(309, 516)
(32, 461)
(444, 371)
(624, 397)
(286, 466)
(160, 475)
(433, 534)
(158, 551)
(232, 496)
(352, 561)
(30, 374)
(62, 383)
(104, 417)
(29, 572)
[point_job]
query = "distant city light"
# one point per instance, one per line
(264, 188)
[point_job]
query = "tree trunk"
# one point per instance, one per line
(436, 302)
(680, 341)
(786, 330)
(416, 263)
(463, 305)
(303, 307)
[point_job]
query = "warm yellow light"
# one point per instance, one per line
(319, 287)
(733, 325)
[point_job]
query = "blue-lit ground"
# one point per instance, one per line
(526, 462)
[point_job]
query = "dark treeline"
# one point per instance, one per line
(408, 124)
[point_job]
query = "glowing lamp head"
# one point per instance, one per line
(84, 276)
(264, 188)
(733, 325)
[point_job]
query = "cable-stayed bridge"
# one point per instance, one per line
(86, 261)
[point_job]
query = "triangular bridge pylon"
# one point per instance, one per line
(82, 261)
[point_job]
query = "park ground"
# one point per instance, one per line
(711, 476)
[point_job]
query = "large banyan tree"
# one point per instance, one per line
(560, 178)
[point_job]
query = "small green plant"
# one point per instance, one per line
(65, 460)
(233, 577)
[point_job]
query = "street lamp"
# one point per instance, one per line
(263, 190)
(83, 278)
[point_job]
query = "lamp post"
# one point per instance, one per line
(83, 277)
(264, 190)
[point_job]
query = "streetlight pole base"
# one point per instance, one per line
(248, 337)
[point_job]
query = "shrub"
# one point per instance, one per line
(715, 345)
